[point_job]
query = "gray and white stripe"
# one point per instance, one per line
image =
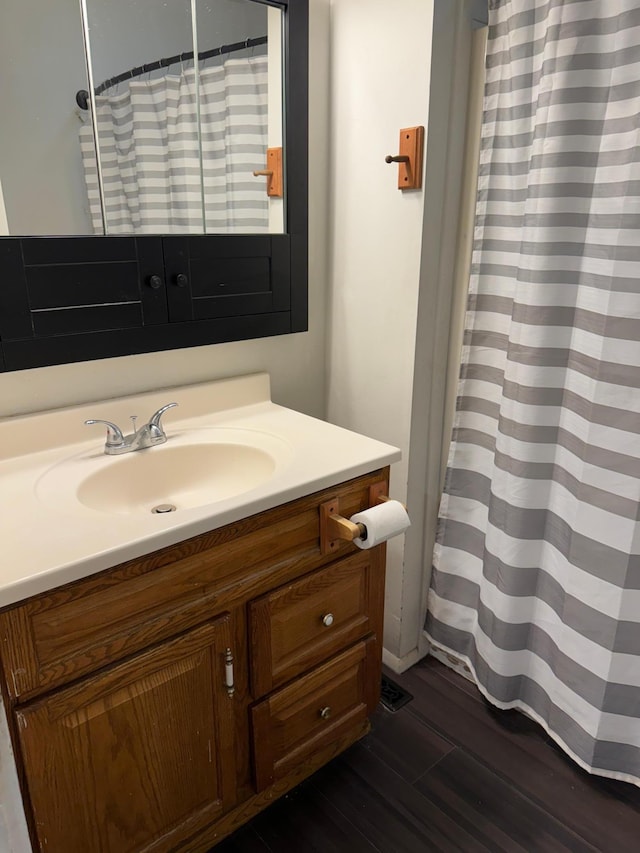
(536, 580)
(150, 158)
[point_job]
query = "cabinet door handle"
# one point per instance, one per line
(327, 620)
(228, 673)
(154, 282)
(325, 712)
(181, 280)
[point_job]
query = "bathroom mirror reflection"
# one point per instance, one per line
(177, 141)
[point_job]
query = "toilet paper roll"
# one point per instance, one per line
(382, 522)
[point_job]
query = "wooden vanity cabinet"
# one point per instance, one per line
(128, 733)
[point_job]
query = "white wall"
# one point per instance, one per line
(14, 836)
(296, 362)
(391, 305)
(274, 99)
(381, 57)
(40, 162)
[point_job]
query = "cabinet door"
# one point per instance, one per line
(74, 298)
(224, 277)
(136, 757)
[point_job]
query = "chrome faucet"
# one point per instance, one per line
(150, 434)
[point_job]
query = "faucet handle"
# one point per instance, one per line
(154, 420)
(114, 433)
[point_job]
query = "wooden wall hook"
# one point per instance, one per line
(273, 173)
(410, 158)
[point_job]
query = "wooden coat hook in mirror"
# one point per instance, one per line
(273, 172)
(410, 158)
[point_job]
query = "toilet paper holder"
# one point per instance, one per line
(334, 528)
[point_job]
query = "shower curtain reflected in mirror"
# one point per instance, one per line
(150, 153)
(536, 581)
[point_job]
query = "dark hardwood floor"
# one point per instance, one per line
(448, 772)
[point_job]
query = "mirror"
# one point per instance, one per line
(177, 141)
(68, 294)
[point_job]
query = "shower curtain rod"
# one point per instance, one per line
(82, 96)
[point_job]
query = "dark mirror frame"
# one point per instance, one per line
(69, 299)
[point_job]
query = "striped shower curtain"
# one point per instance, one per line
(536, 581)
(150, 154)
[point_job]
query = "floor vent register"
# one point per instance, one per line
(393, 696)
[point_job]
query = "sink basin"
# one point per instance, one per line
(192, 469)
(185, 476)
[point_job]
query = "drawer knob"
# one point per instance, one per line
(327, 620)
(154, 282)
(325, 713)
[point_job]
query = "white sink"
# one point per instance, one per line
(191, 475)
(194, 468)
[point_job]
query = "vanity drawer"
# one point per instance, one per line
(295, 627)
(307, 715)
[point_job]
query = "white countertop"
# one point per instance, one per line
(47, 542)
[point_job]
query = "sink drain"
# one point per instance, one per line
(164, 508)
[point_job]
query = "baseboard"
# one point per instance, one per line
(400, 665)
